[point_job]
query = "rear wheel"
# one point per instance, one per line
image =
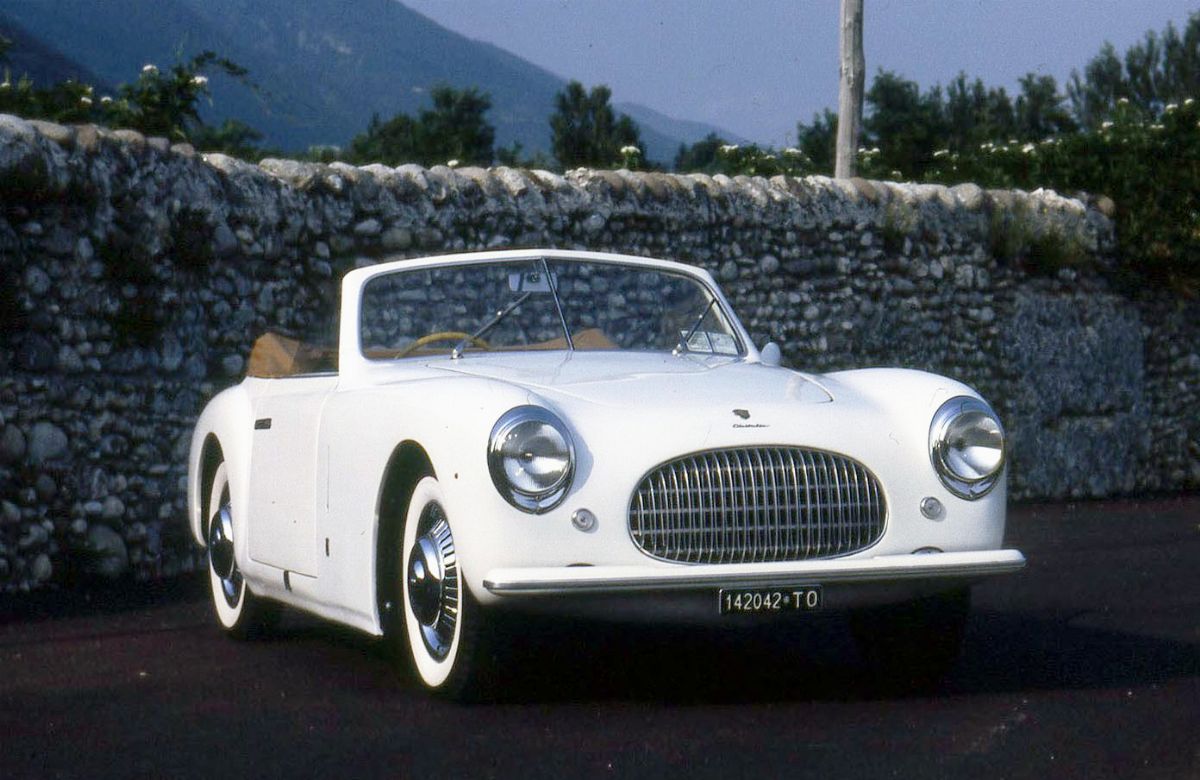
(240, 613)
(915, 643)
(444, 628)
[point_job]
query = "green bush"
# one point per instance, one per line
(1149, 166)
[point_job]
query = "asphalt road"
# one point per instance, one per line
(1085, 665)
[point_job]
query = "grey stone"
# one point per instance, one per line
(225, 242)
(172, 354)
(594, 223)
(108, 555)
(113, 509)
(768, 264)
(37, 281)
(59, 134)
(232, 365)
(368, 227)
(35, 353)
(47, 442)
(397, 238)
(45, 487)
(729, 271)
(42, 569)
(12, 444)
(69, 360)
(83, 250)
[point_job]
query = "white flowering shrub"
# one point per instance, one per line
(1148, 164)
(163, 102)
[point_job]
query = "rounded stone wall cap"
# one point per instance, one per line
(59, 134)
(131, 138)
(514, 181)
(1106, 206)
(866, 189)
(972, 196)
(15, 125)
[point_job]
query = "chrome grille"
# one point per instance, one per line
(757, 504)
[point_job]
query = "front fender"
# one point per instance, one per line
(228, 418)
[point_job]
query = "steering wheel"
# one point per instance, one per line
(443, 335)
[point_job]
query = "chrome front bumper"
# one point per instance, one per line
(954, 566)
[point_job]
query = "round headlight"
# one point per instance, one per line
(966, 445)
(531, 458)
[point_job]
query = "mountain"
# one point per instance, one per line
(28, 56)
(321, 68)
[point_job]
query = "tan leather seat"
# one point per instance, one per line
(274, 356)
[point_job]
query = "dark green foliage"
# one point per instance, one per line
(908, 127)
(1130, 130)
(818, 141)
(454, 129)
(712, 155)
(585, 131)
(1158, 71)
(514, 156)
(232, 137)
(701, 156)
(162, 103)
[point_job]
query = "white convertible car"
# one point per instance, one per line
(587, 433)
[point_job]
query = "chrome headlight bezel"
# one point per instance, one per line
(958, 411)
(528, 500)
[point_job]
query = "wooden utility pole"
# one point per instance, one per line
(852, 71)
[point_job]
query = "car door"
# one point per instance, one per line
(284, 473)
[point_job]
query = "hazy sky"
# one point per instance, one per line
(757, 66)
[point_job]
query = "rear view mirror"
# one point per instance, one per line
(770, 354)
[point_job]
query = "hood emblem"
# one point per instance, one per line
(745, 415)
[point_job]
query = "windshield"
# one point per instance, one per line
(540, 304)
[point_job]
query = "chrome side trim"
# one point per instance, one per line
(889, 568)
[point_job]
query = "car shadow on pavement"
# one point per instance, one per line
(545, 661)
(1002, 652)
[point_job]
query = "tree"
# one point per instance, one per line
(907, 126)
(233, 137)
(818, 141)
(1155, 72)
(1040, 112)
(585, 131)
(700, 157)
(454, 129)
(167, 102)
(852, 73)
(973, 113)
(164, 103)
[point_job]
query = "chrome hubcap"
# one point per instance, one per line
(220, 554)
(432, 578)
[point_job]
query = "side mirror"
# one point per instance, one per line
(770, 354)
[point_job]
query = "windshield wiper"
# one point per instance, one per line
(681, 345)
(487, 326)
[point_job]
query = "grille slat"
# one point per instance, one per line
(757, 504)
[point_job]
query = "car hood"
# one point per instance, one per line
(627, 379)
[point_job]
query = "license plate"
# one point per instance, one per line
(757, 601)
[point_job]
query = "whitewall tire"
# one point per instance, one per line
(443, 624)
(240, 612)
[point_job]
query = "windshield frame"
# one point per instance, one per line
(723, 310)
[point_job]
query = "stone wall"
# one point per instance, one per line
(135, 274)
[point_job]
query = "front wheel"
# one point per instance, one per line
(445, 630)
(915, 643)
(240, 613)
